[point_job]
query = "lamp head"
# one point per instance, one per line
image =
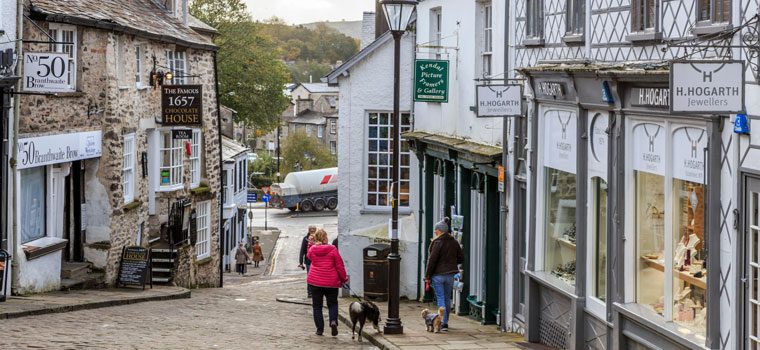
(169, 76)
(398, 13)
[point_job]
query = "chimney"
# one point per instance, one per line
(185, 11)
(381, 25)
(368, 29)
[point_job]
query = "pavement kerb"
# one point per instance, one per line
(181, 294)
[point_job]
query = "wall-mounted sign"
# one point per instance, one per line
(551, 89)
(689, 158)
(61, 148)
(182, 134)
(607, 93)
(560, 140)
(499, 100)
(598, 143)
(707, 86)
(181, 105)
(650, 97)
(431, 81)
(501, 178)
(48, 72)
(649, 148)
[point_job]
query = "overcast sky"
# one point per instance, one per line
(306, 11)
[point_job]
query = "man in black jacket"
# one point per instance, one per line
(445, 257)
(303, 261)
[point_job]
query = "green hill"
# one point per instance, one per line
(347, 28)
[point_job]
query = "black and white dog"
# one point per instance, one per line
(362, 312)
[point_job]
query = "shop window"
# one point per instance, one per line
(171, 160)
(714, 11)
(534, 13)
(33, 204)
(66, 42)
(599, 231)
(195, 159)
(671, 254)
(559, 227)
(203, 242)
(128, 168)
(178, 66)
(575, 16)
(643, 15)
(379, 165)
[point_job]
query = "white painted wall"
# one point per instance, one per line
(369, 87)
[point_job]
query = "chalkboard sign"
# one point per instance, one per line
(135, 267)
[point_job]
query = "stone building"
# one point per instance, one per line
(316, 113)
(97, 169)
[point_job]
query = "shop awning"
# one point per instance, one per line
(474, 151)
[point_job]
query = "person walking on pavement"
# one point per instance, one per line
(303, 261)
(241, 258)
(444, 258)
(326, 275)
(257, 254)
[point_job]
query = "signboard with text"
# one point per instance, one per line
(499, 100)
(182, 134)
(48, 72)
(181, 105)
(134, 269)
(61, 148)
(714, 87)
(431, 81)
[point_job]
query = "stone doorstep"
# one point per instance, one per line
(60, 302)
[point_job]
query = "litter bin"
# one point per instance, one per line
(376, 272)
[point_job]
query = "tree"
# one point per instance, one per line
(301, 152)
(302, 71)
(251, 78)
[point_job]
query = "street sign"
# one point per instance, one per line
(181, 105)
(265, 198)
(431, 81)
(252, 197)
(709, 87)
(504, 100)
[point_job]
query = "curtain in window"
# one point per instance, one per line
(32, 204)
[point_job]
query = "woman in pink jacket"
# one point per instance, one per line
(326, 275)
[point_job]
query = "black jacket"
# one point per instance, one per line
(445, 255)
(302, 259)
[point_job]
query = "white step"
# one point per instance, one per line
(161, 269)
(157, 260)
(161, 250)
(160, 279)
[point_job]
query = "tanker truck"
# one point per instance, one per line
(311, 190)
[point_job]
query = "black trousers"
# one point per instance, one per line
(317, 294)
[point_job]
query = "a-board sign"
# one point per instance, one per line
(135, 267)
(181, 105)
(182, 134)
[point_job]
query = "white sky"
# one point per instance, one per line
(307, 11)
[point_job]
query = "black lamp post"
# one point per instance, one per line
(398, 13)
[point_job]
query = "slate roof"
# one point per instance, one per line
(231, 149)
(320, 88)
(144, 18)
(309, 117)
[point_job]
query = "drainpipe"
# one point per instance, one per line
(13, 178)
(503, 242)
(221, 172)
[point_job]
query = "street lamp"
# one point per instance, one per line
(398, 13)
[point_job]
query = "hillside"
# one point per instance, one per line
(347, 28)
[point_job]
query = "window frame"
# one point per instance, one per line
(436, 26)
(44, 206)
(139, 66)
(203, 230)
(56, 31)
(128, 167)
(195, 158)
(333, 126)
(177, 162)
(534, 20)
(575, 18)
(597, 169)
(638, 19)
(320, 131)
(180, 74)
(333, 147)
(713, 13)
(486, 40)
(388, 166)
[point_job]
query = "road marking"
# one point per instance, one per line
(273, 260)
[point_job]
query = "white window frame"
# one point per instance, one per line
(128, 168)
(203, 233)
(195, 158)
(534, 19)
(333, 126)
(713, 12)
(308, 130)
(320, 131)
(640, 21)
(177, 63)
(487, 40)
(333, 147)
(176, 167)
(66, 33)
(436, 23)
(229, 189)
(138, 66)
(388, 166)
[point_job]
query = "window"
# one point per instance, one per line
(138, 66)
(643, 15)
(333, 147)
(435, 30)
(487, 54)
(333, 126)
(228, 185)
(63, 33)
(308, 130)
(670, 244)
(121, 75)
(203, 242)
(716, 11)
(178, 66)
(320, 131)
(195, 159)
(575, 16)
(596, 246)
(599, 232)
(171, 161)
(33, 204)
(534, 26)
(379, 165)
(128, 168)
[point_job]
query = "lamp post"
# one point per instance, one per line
(398, 13)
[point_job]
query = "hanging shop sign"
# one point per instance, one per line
(48, 72)
(649, 148)
(499, 100)
(61, 148)
(431, 81)
(135, 267)
(707, 86)
(560, 140)
(689, 154)
(181, 105)
(182, 134)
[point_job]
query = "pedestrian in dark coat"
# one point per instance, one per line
(327, 274)
(445, 257)
(303, 260)
(241, 258)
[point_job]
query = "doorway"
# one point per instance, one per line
(73, 215)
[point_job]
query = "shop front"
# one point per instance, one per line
(625, 213)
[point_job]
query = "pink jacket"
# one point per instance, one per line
(327, 269)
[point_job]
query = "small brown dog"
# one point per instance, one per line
(433, 320)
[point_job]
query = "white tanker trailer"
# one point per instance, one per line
(311, 190)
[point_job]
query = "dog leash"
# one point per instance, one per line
(353, 293)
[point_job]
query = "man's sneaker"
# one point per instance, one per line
(334, 327)
(444, 328)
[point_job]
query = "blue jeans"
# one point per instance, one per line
(443, 285)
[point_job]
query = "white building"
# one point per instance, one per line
(364, 169)
(234, 191)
